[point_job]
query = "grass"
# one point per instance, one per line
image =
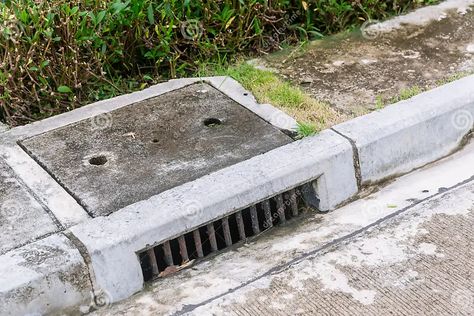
(407, 93)
(312, 115)
(453, 77)
(410, 92)
(305, 130)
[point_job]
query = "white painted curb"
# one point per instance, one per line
(412, 133)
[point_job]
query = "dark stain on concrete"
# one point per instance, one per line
(128, 155)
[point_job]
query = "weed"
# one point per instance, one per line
(408, 93)
(306, 129)
(453, 77)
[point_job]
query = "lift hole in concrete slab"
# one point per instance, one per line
(212, 122)
(152, 146)
(176, 254)
(98, 160)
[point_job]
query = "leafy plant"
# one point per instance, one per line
(99, 49)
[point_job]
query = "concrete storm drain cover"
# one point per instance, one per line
(130, 154)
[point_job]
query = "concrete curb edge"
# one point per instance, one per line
(368, 149)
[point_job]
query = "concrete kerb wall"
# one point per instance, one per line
(326, 157)
(395, 140)
(64, 208)
(412, 133)
(386, 143)
(47, 276)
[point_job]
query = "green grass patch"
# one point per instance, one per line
(407, 93)
(305, 130)
(410, 92)
(453, 77)
(267, 87)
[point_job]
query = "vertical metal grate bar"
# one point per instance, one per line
(183, 250)
(250, 223)
(168, 254)
(211, 233)
(153, 262)
(254, 217)
(240, 225)
(198, 243)
(293, 203)
(280, 208)
(226, 229)
(268, 214)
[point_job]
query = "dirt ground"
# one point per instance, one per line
(361, 71)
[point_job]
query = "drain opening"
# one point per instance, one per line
(175, 254)
(212, 122)
(98, 160)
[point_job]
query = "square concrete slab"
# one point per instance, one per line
(22, 219)
(130, 154)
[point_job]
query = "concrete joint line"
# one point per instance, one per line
(95, 293)
(412, 133)
(356, 159)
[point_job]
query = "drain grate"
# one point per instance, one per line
(173, 255)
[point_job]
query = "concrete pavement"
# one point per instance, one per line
(404, 250)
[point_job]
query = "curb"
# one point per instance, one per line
(337, 162)
(43, 277)
(387, 143)
(324, 160)
(412, 133)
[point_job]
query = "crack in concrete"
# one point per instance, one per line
(355, 151)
